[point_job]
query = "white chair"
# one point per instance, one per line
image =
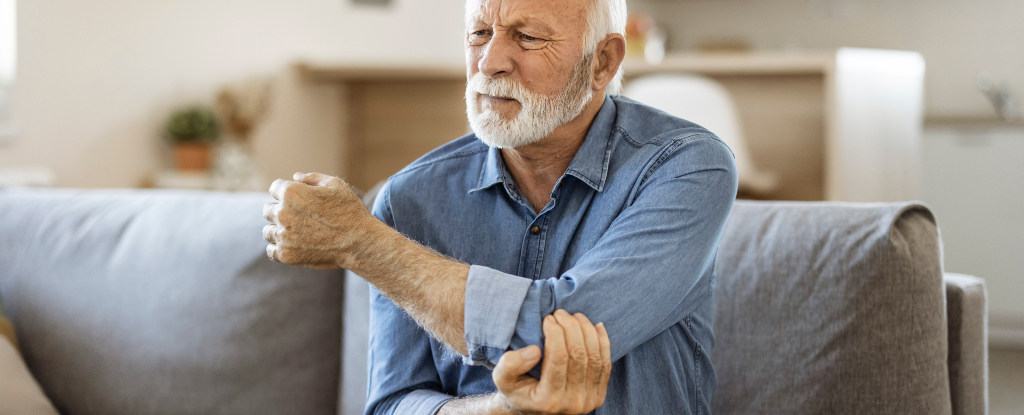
(703, 101)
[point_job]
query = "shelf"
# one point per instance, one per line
(709, 64)
(735, 64)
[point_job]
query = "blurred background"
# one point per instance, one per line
(230, 94)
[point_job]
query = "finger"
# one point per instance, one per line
(270, 211)
(590, 338)
(272, 252)
(319, 179)
(576, 372)
(552, 377)
(279, 187)
(606, 359)
(512, 365)
(270, 234)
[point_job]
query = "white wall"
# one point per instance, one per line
(973, 181)
(97, 79)
(958, 38)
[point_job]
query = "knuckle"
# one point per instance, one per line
(285, 255)
(578, 354)
(559, 358)
(285, 215)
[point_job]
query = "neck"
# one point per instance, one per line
(538, 166)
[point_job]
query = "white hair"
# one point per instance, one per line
(604, 17)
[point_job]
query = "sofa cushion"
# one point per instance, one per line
(830, 308)
(164, 302)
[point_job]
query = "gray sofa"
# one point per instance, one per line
(162, 302)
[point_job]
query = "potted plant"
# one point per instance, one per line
(192, 130)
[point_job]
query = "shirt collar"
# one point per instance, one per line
(493, 171)
(590, 164)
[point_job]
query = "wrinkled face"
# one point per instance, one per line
(527, 70)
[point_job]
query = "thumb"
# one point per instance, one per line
(513, 364)
(317, 179)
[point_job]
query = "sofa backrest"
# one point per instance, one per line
(164, 302)
(830, 308)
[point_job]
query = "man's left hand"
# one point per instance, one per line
(317, 221)
(575, 373)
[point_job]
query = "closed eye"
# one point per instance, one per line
(528, 42)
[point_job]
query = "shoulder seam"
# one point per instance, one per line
(667, 152)
(629, 139)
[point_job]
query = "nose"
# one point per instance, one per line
(496, 59)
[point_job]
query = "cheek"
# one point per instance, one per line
(473, 56)
(547, 72)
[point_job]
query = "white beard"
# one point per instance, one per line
(539, 115)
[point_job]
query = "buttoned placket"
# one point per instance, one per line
(531, 262)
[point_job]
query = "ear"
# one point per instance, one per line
(607, 59)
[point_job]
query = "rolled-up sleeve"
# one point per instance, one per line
(653, 265)
(422, 402)
(493, 302)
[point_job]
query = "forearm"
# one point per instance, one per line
(490, 404)
(427, 285)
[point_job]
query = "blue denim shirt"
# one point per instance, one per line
(629, 239)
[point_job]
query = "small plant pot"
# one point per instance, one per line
(192, 157)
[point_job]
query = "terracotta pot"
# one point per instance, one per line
(193, 157)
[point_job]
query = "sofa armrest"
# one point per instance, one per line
(967, 318)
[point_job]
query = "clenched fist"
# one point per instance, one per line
(317, 223)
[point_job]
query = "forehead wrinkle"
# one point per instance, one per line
(509, 14)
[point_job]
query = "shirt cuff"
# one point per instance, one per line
(422, 402)
(493, 301)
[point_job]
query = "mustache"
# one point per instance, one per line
(499, 87)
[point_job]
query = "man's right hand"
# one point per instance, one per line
(574, 376)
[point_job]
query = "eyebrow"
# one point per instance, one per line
(535, 23)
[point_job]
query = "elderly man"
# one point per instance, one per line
(566, 199)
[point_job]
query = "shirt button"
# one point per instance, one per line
(512, 187)
(535, 229)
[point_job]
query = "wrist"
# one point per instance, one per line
(353, 256)
(498, 405)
